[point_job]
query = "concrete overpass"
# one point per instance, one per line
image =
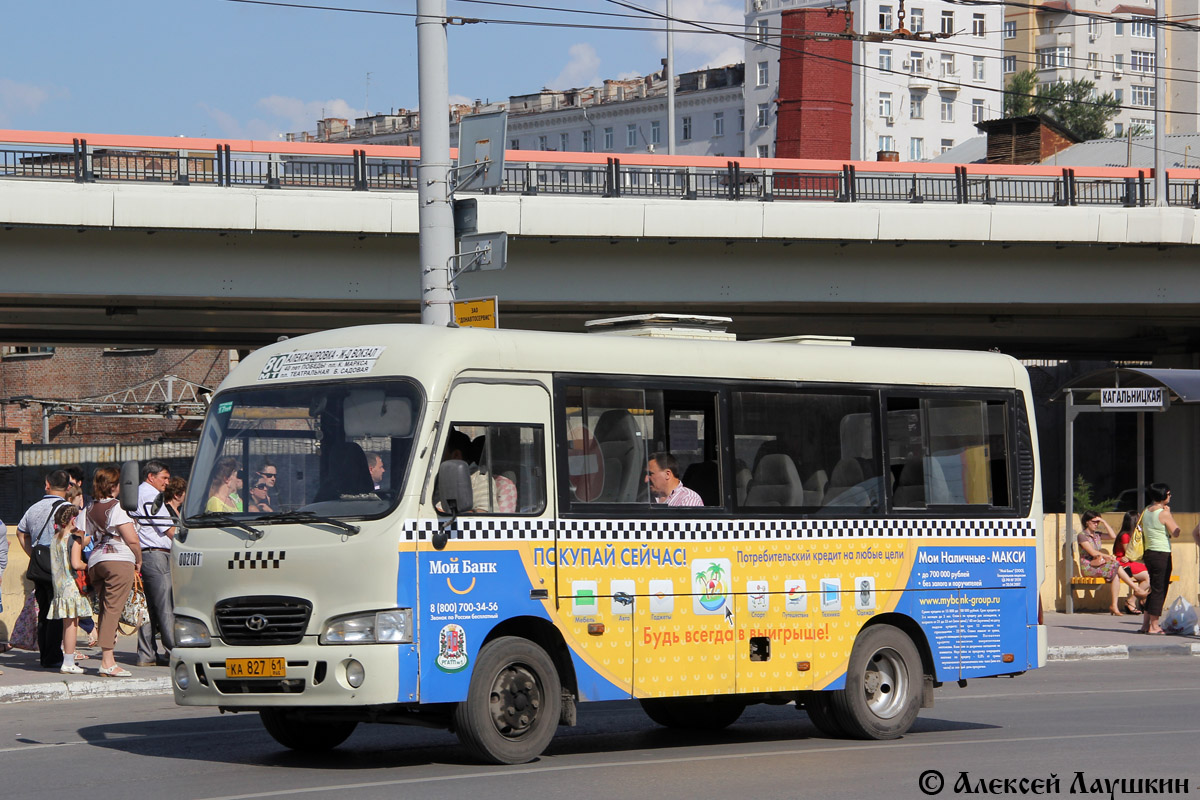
(132, 257)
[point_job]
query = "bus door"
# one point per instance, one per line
(493, 564)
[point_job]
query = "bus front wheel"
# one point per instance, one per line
(513, 703)
(694, 713)
(307, 736)
(883, 685)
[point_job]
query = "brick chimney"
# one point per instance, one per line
(814, 115)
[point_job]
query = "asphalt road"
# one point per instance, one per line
(1106, 720)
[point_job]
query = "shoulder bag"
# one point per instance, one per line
(1137, 542)
(39, 569)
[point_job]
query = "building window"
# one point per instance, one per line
(1093, 28)
(885, 104)
(887, 143)
(1010, 64)
(761, 31)
(947, 22)
(916, 149)
(564, 142)
(977, 111)
(1118, 62)
(916, 105)
(1141, 28)
(977, 68)
(948, 65)
(17, 351)
(608, 138)
(1119, 30)
(718, 123)
(1118, 128)
(763, 117)
(655, 132)
(885, 60)
(764, 151)
(1010, 29)
(741, 120)
(543, 143)
(1093, 61)
(1054, 57)
(947, 108)
(1147, 126)
(587, 141)
(1141, 96)
(977, 25)
(685, 128)
(631, 135)
(1141, 61)
(885, 18)
(514, 144)
(947, 145)
(916, 62)
(1119, 95)
(763, 78)
(916, 20)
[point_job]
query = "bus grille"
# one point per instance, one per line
(263, 620)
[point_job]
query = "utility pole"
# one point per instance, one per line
(670, 70)
(1160, 118)
(436, 214)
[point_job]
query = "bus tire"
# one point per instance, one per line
(513, 703)
(694, 713)
(305, 735)
(819, 707)
(883, 685)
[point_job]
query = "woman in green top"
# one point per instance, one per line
(1159, 528)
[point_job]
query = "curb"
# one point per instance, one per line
(88, 689)
(1120, 651)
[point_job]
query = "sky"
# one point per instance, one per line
(218, 68)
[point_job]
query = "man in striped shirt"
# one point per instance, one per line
(662, 474)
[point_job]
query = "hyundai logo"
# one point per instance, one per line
(257, 623)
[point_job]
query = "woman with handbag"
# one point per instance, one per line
(1159, 528)
(1095, 563)
(69, 603)
(114, 563)
(1136, 569)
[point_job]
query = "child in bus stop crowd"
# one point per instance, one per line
(69, 603)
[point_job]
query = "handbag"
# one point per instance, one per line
(1137, 542)
(82, 582)
(24, 630)
(135, 614)
(39, 569)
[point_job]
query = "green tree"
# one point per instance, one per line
(1018, 101)
(1085, 502)
(1076, 106)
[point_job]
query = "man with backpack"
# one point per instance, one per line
(35, 532)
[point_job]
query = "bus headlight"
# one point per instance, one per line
(377, 627)
(191, 633)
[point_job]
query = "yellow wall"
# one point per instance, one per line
(1183, 557)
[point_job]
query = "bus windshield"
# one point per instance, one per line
(332, 450)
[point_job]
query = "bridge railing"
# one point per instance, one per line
(283, 166)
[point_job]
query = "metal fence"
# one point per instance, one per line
(969, 184)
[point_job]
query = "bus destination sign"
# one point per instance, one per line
(481, 312)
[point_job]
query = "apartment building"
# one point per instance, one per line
(914, 98)
(1113, 45)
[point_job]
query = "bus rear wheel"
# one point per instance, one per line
(513, 703)
(305, 735)
(883, 685)
(694, 713)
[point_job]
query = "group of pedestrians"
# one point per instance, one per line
(87, 555)
(1148, 578)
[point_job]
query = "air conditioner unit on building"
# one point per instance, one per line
(1097, 74)
(889, 121)
(1117, 73)
(906, 66)
(760, 5)
(1093, 37)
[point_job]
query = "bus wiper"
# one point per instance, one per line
(308, 516)
(224, 519)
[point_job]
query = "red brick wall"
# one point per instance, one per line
(815, 104)
(80, 372)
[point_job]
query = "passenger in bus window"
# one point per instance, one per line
(375, 467)
(223, 490)
(483, 489)
(662, 476)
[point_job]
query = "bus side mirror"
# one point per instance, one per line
(130, 478)
(455, 497)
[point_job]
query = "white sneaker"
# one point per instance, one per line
(71, 669)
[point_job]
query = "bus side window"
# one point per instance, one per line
(507, 466)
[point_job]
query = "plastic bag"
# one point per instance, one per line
(1180, 618)
(24, 630)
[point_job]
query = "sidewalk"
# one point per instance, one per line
(1084, 635)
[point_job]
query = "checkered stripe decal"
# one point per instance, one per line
(261, 559)
(509, 529)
